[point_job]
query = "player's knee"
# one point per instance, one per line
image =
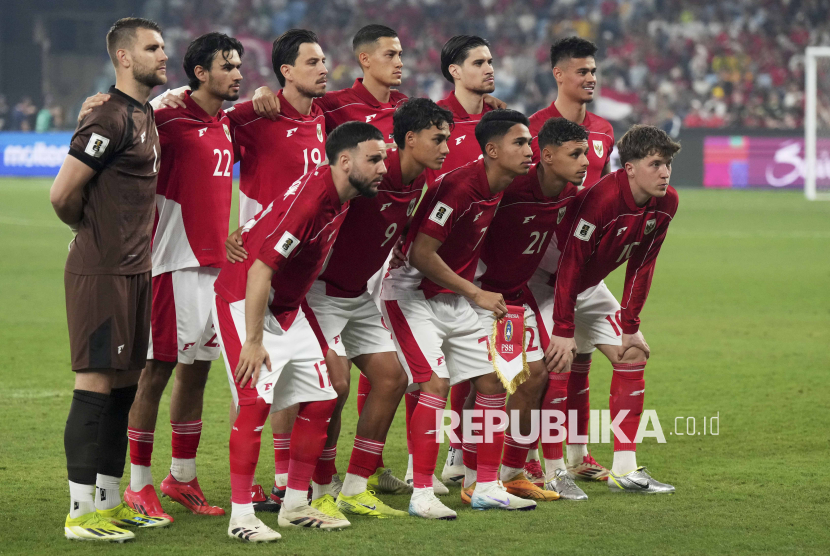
(582, 357)
(633, 355)
(488, 385)
(193, 377)
(341, 388)
(154, 377)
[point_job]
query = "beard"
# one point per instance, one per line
(224, 95)
(148, 77)
(362, 184)
(310, 92)
(484, 89)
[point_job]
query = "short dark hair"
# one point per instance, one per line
(369, 34)
(571, 47)
(558, 131)
(456, 50)
(415, 115)
(122, 33)
(287, 48)
(201, 51)
(497, 123)
(348, 136)
(642, 141)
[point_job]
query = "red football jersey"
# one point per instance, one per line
(357, 104)
(462, 142)
(195, 184)
(274, 155)
(459, 216)
(370, 231)
(524, 224)
(293, 235)
(600, 140)
(607, 230)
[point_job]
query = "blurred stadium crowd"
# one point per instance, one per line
(672, 63)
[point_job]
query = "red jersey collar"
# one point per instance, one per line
(458, 111)
(198, 112)
(288, 110)
(368, 98)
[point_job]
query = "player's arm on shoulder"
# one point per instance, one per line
(493, 102)
(424, 256)
(171, 98)
(91, 103)
(253, 354)
(266, 103)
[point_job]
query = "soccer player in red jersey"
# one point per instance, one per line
(532, 210)
(466, 62)
(437, 333)
(271, 353)
(574, 68)
(345, 316)
(624, 218)
(193, 202)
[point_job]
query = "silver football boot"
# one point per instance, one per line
(638, 481)
(565, 486)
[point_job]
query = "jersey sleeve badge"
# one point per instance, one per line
(286, 244)
(599, 148)
(440, 213)
(584, 230)
(97, 145)
(650, 225)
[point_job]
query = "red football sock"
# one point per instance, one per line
(185, 439)
(627, 392)
(411, 400)
(307, 440)
(363, 389)
(425, 443)
(469, 447)
(579, 398)
(282, 445)
(515, 453)
(246, 436)
(489, 453)
(141, 446)
(325, 466)
(555, 398)
(458, 395)
(365, 456)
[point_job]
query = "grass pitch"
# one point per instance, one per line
(739, 325)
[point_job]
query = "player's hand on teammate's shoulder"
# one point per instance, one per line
(560, 354)
(266, 103)
(171, 98)
(233, 247)
(92, 102)
(398, 256)
(491, 301)
(493, 102)
(251, 358)
(632, 341)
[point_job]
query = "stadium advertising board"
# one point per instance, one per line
(33, 154)
(760, 162)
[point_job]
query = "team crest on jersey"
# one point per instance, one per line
(560, 215)
(227, 132)
(411, 208)
(584, 230)
(286, 244)
(599, 148)
(97, 145)
(650, 225)
(320, 132)
(440, 213)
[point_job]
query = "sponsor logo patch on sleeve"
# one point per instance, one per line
(584, 230)
(440, 213)
(286, 244)
(97, 145)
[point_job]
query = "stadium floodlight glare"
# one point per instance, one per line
(817, 68)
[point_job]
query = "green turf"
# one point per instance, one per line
(739, 325)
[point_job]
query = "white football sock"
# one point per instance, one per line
(241, 510)
(551, 465)
(318, 491)
(453, 456)
(532, 454)
(469, 476)
(409, 468)
(183, 470)
(140, 476)
(281, 480)
(107, 493)
(576, 452)
(507, 473)
(294, 498)
(81, 499)
(624, 462)
(354, 484)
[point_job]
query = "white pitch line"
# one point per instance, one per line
(11, 221)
